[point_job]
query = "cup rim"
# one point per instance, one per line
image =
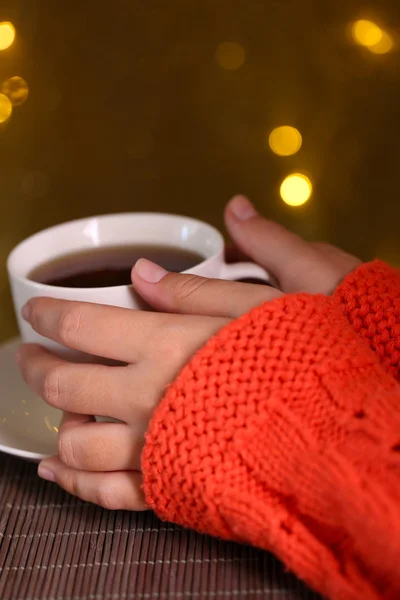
(103, 217)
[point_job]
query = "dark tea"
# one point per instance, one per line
(110, 266)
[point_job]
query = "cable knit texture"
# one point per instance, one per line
(284, 432)
(370, 298)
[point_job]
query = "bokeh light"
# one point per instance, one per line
(296, 189)
(7, 34)
(230, 56)
(384, 45)
(16, 89)
(366, 33)
(5, 108)
(285, 140)
(371, 36)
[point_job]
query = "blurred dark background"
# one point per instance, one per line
(167, 106)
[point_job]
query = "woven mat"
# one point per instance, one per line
(53, 546)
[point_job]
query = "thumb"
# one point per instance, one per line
(190, 294)
(298, 265)
(281, 252)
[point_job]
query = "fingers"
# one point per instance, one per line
(111, 332)
(296, 264)
(92, 328)
(119, 490)
(125, 393)
(189, 294)
(89, 446)
(267, 243)
(78, 388)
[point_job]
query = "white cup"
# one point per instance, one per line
(112, 230)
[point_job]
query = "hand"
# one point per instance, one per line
(100, 462)
(297, 265)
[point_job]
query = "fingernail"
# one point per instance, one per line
(149, 271)
(26, 311)
(46, 473)
(242, 208)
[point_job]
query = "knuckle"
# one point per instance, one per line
(52, 384)
(184, 287)
(66, 450)
(172, 348)
(70, 325)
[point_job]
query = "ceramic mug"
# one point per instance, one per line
(112, 230)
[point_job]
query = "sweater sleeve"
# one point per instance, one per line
(284, 432)
(370, 298)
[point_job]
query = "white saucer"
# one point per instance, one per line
(28, 426)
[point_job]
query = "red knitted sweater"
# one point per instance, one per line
(284, 432)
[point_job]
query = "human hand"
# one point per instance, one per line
(100, 461)
(297, 265)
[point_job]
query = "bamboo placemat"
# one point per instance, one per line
(55, 547)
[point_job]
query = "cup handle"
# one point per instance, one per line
(244, 270)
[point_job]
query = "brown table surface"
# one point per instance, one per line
(53, 546)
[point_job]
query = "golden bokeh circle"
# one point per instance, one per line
(296, 189)
(5, 108)
(384, 45)
(230, 56)
(285, 140)
(366, 33)
(7, 35)
(16, 89)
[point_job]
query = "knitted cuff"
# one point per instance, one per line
(270, 352)
(370, 298)
(283, 432)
